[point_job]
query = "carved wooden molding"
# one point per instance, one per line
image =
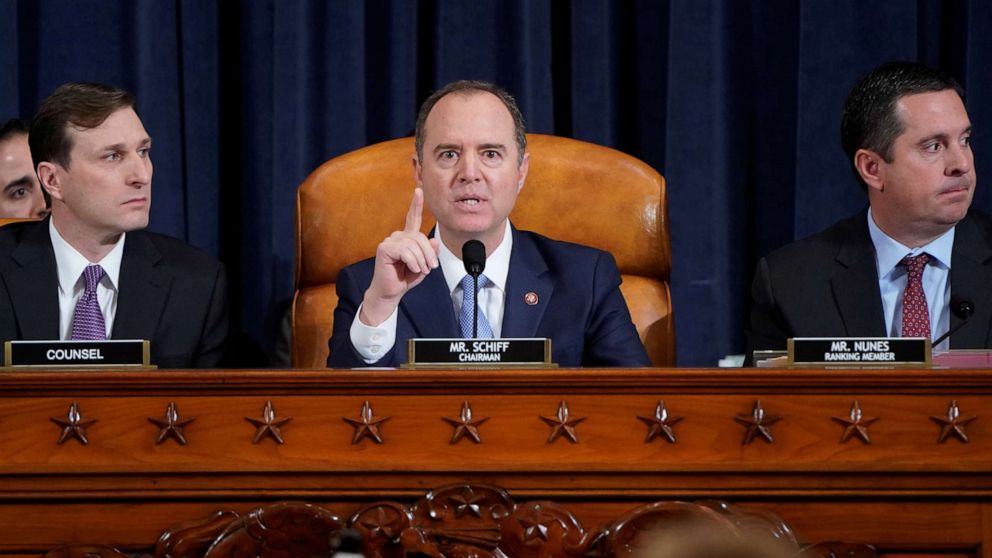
(953, 424)
(856, 424)
(367, 425)
(171, 425)
(757, 424)
(73, 426)
(481, 521)
(268, 425)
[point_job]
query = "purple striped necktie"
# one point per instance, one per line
(87, 321)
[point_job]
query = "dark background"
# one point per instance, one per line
(737, 103)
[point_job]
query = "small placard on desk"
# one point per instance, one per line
(479, 353)
(859, 352)
(113, 353)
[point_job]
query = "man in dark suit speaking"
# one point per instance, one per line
(917, 262)
(89, 271)
(471, 162)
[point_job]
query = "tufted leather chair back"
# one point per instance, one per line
(11, 220)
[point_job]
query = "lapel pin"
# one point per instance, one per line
(530, 299)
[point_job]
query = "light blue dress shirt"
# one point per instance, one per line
(892, 280)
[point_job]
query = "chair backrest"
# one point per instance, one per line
(11, 220)
(575, 191)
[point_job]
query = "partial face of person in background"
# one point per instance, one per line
(20, 192)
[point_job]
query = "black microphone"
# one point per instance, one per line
(474, 258)
(963, 309)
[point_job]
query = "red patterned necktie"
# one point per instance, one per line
(915, 313)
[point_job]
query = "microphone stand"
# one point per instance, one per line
(949, 332)
(963, 310)
(474, 258)
(475, 306)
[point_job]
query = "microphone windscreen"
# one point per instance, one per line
(962, 308)
(474, 257)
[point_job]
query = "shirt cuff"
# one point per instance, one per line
(372, 342)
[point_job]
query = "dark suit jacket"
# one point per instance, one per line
(579, 307)
(169, 293)
(827, 286)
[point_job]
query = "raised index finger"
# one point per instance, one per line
(415, 215)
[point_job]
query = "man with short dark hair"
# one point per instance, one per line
(470, 163)
(90, 272)
(20, 193)
(892, 269)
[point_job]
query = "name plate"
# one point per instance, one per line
(116, 353)
(473, 353)
(860, 352)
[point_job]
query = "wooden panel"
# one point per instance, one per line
(514, 438)
(986, 549)
(905, 491)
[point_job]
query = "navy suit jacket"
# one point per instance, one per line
(579, 307)
(827, 286)
(168, 292)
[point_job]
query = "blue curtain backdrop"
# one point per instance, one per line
(736, 103)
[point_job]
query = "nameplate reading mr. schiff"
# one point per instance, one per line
(479, 353)
(116, 353)
(859, 351)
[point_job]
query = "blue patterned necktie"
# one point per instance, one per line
(468, 303)
(87, 321)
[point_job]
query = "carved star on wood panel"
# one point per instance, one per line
(855, 424)
(953, 424)
(537, 523)
(171, 426)
(467, 503)
(757, 424)
(73, 426)
(367, 425)
(382, 525)
(465, 425)
(535, 528)
(562, 424)
(268, 425)
(660, 424)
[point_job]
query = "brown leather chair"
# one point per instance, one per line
(11, 220)
(575, 191)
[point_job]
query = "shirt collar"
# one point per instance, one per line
(497, 264)
(889, 252)
(70, 263)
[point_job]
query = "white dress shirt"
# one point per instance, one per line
(892, 280)
(70, 265)
(371, 342)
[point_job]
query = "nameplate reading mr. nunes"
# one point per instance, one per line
(114, 353)
(860, 351)
(467, 353)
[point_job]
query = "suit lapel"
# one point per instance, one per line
(428, 308)
(855, 285)
(142, 290)
(34, 284)
(971, 279)
(527, 274)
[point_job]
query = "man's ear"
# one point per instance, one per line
(524, 167)
(418, 170)
(50, 176)
(871, 166)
